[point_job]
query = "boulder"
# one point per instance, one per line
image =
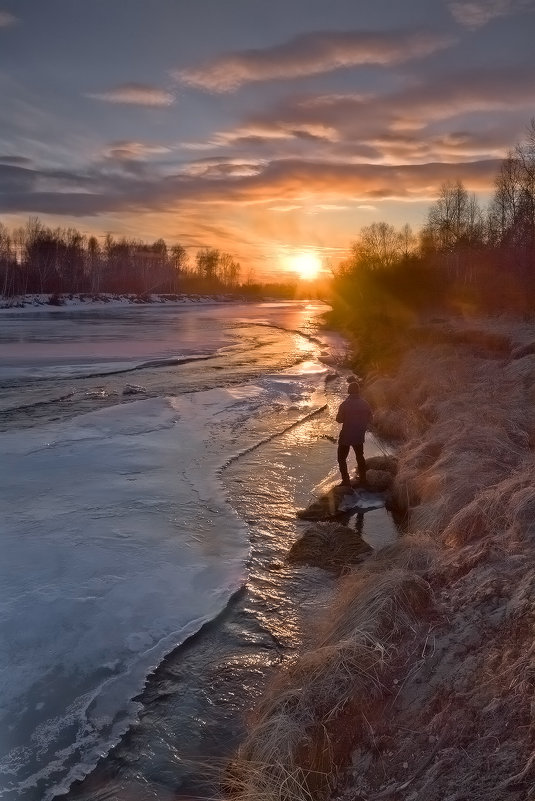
(329, 546)
(378, 480)
(386, 462)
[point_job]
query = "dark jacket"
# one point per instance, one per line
(355, 414)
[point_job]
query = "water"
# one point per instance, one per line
(133, 519)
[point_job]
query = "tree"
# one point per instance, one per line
(179, 263)
(511, 218)
(208, 264)
(229, 270)
(455, 228)
(379, 246)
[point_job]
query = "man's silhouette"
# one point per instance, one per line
(355, 414)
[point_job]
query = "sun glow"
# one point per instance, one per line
(306, 265)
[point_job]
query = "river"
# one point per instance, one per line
(154, 461)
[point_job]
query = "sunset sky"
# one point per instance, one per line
(267, 128)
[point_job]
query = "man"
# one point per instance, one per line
(355, 414)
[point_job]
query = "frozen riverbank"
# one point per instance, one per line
(86, 300)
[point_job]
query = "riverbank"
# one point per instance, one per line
(420, 682)
(82, 300)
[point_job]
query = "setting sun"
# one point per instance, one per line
(307, 265)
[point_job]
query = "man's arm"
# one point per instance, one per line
(340, 413)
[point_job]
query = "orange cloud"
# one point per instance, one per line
(311, 54)
(124, 149)
(137, 94)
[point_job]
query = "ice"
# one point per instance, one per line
(116, 541)
(116, 545)
(81, 341)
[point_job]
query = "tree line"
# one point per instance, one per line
(465, 258)
(38, 259)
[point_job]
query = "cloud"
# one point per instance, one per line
(17, 161)
(476, 13)
(402, 126)
(311, 54)
(7, 19)
(277, 184)
(126, 150)
(16, 181)
(136, 94)
(219, 168)
(285, 209)
(259, 132)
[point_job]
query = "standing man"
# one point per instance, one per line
(355, 414)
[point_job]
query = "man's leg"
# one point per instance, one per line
(361, 462)
(343, 453)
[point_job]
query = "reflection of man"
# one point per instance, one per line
(355, 414)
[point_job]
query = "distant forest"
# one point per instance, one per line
(465, 259)
(38, 259)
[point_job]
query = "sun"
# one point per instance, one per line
(307, 265)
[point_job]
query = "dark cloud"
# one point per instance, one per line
(311, 54)
(18, 161)
(281, 181)
(136, 94)
(15, 179)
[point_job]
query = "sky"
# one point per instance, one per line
(267, 128)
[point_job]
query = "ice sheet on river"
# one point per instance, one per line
(117, 544)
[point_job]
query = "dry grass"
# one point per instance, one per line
(416, 554)
(296, 742)
(467, 423)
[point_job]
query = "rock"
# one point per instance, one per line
(378, 480)
(386, 462)
(133, 389)
(325, 507)
(329, 546)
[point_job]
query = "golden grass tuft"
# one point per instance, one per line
(472, 522)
